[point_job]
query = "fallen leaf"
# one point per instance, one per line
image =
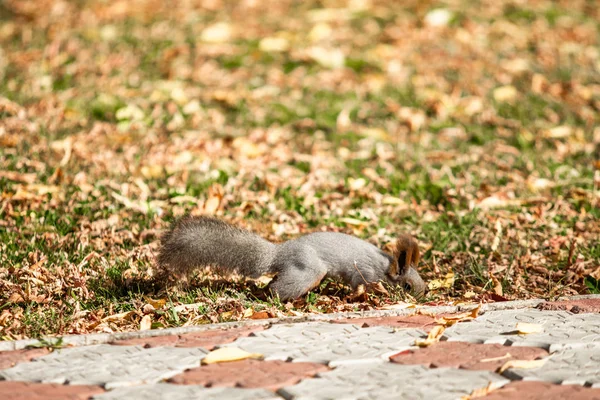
(398, 306)
(216, 33)
(227, 354)
(274, 44)
(146, 323)
(356, 184)
(450, 320)
(481, 392)
(434, 336)
(438, 17)
(16, 298)
(329, 58)
(497, 285)
(119, 317)
(505, 93)
(18, 176)
(377, 288)
(158, 304)
(527, 328)
(447, 282)
(522, 364)
(260, 315)
(559, 132)
(493, 359)
(353, 221)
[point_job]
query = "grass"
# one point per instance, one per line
(111, 130)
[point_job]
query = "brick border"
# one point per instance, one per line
(101, 338)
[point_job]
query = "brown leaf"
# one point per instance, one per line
(260, 315)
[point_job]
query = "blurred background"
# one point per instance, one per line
(472, 125)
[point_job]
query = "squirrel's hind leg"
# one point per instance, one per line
(291, 283)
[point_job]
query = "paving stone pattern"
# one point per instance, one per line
(419, 321)
(560, 327)
(542, 391)
(327, 343)
(11, 358)
(250, 374)
(381, 380)
(106, 365)
(570, 365)
(349, 359)
(206, 339)
(573, 306)
(165, 391)
(13, 390)
(473, 356)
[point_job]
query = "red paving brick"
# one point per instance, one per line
(425, 322)
(249, 374)
(574, 306)
(474, 356)
(11, 358)
(11, 390)
(528, 390)
(411, 321)
(206, 339)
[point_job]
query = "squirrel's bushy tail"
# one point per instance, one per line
(195, 242)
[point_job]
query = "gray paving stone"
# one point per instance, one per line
(334, 344)
(106, 365)
(392, 381)
(578, 365)
(560, 328)
(162, 391)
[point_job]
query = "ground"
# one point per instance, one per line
(471, 125)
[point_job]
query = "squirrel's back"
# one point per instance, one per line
(205, 241)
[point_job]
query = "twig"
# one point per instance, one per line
(360, 273)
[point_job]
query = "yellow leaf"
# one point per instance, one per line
(398, 306)
(328, 57)
(447, 282)
(220, 32)
(158, 304)
(521, 364)
(480, 392)
(438, 17)
(353, 221)
(226, 354)
(146, 323)
(526, 328)
(434, 336)
(356, 184)
(118, 317)
(450, 320)
(559, 132)
(394, 201)
(505, 93)
(274, 44)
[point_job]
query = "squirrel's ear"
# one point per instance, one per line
(406, 254)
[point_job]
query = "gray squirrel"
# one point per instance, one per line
(299, 265)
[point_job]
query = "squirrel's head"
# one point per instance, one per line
(403, 271)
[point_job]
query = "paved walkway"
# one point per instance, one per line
(330, 357)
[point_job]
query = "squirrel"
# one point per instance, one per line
(299, 264)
